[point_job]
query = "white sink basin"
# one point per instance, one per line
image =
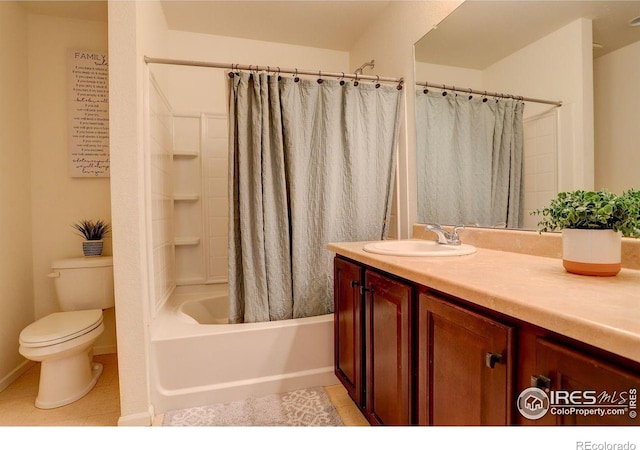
(417, 247)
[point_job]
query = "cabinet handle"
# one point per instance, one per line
(491, 359)
(364, 290)
(355, 283)
(540, 381)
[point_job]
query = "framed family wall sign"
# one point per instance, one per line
(88, 116)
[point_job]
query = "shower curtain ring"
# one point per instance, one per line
(355, 83)
(426, 87)
(470, 94)
(342, 79)
(377, 81)
(295, 76)
(319, 77)
(444, 90)
(279, 77)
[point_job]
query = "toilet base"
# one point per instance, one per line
(66, 380)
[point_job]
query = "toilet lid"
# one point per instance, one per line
(60, 327)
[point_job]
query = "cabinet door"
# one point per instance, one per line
(571, 371)
(388, 331)
(348, 331)
(465, 366)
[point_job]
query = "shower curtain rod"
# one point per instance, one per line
(273, 69)
(490, 94)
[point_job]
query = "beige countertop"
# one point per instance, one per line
(600, 311)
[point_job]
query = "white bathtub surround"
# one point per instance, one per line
(328, 163)
(301, 408)
(228, 362)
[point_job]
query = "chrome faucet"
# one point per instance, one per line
(444, 237)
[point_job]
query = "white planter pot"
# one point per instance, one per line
(592, 252)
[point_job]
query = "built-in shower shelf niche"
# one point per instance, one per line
(186, 197)
(200, 194)
(184, 241)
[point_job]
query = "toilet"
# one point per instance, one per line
(63, 341)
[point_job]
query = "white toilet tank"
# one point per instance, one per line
(84, 283)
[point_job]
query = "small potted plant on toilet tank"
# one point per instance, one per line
(94, 233)
(592, 225)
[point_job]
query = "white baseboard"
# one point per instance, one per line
(144, 419)
(15, 374)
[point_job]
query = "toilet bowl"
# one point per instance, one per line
(63, 341)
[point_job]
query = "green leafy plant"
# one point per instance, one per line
(594, 210)
(92, 231)
(601, 210)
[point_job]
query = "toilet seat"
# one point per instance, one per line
(60, 327)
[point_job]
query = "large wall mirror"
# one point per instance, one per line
(584, 54)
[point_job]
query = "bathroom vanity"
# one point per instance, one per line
(455, 340)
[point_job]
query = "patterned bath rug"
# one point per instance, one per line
(302, 408)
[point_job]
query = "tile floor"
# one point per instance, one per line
(101, 406)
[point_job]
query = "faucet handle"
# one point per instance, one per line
(456, 228)
(455, 238)
(433, 226)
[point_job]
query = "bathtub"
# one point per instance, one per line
(197, 358)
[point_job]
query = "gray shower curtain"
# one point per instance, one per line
(310, 163)
(469, 159)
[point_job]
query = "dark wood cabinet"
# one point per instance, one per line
(409, 355)
(372, 326)
(388, 350)
(600, 393)
(465, 366)
(348, 328)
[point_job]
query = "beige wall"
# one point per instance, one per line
(389, 40)
(16, 273)
(57, 200)
(135, 29)
(617, 113)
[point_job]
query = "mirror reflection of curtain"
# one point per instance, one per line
(469, 160)
(311, 163)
